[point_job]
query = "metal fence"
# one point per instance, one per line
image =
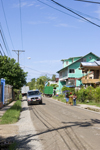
(8, 94)
(0, 93)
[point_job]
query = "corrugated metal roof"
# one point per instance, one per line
(97, 62)
(88, 64)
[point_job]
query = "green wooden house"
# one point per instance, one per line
(69, 74)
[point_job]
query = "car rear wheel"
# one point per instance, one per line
(40, 102)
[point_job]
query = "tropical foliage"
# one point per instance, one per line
(38, 83)
(12, 72)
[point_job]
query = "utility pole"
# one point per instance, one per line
(17, 52)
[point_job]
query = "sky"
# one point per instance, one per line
(49, 33)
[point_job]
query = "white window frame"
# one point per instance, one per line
(71, 69)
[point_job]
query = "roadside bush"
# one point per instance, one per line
(97, 94)
(81, 95)
(65, 89)
(89, 93)
(16, 94)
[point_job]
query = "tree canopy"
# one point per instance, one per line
(12, 72)
(53, 77)
(38, 83)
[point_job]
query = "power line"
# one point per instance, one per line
(57, 9)
(88, 1)
(79, 13)
(75, 13)
(67, 13)
(2, 49)
(4, 40)
(7, 24)
(37, 70)
(21, 22)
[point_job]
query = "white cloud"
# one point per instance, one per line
(52, 18)
(65, 25)
(98, 12)
(24, 4)
(37, 5)
(48, 61)
(62, 25)
(37, 22)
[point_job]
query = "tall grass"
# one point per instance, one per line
(12, 114)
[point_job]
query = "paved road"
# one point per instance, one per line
(62, 127)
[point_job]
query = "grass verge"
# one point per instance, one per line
(62, 99)
(12, 114)
(13, 146)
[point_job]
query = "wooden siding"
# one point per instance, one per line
(90, 81)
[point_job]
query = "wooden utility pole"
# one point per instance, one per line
(17, 52)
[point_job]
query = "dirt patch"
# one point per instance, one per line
(8, 130)
(93, 109)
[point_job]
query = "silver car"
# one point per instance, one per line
(34, 96)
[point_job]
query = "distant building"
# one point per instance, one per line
(54, 82)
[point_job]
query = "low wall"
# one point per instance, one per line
(1, 104)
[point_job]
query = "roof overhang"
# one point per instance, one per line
(63, 79)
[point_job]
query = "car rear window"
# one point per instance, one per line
(33, 93)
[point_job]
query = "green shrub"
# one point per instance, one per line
(89, 93)
(97, 94)
(81, 95)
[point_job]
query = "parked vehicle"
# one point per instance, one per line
(34, 96)
(48, 91)
(24, 90)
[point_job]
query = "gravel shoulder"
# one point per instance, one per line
(27, 136)
(23, 131)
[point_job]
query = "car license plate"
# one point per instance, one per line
(33, 99)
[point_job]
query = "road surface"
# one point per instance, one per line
(63, 127)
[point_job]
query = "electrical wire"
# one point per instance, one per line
(4, 40)
(88, 1)
(2, 50)
(69, 14)
(37, 70)
(21, 23)
(57, 9)
(84, 14)
(7, 24)
(75, 13)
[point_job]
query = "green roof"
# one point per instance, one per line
(76, 61)
(71, 58)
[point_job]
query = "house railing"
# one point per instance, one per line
(85, 81)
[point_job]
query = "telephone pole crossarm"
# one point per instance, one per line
(17, 52)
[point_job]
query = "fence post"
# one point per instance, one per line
(3, 89)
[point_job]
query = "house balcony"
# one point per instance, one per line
(90, 81)
(63, 78)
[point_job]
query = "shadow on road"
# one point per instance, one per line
(23, 141)
(84, 123)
